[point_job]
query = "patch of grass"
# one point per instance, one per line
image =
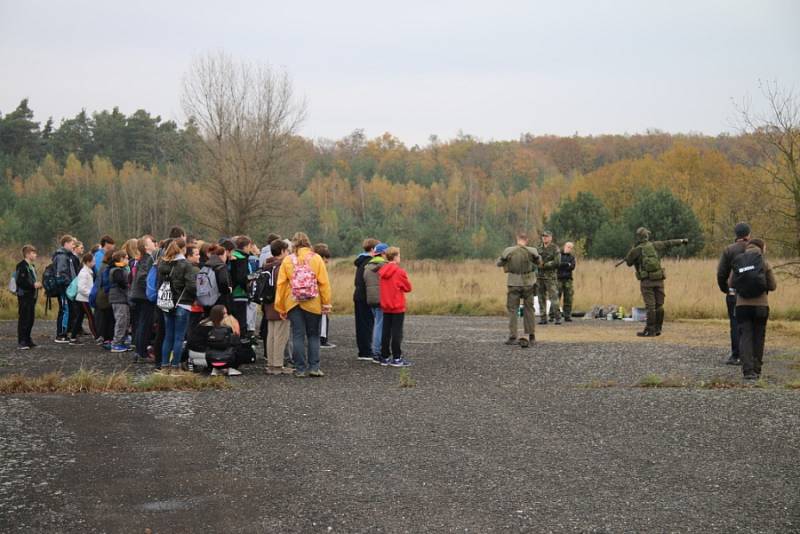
(406, 381)
(181, 382)
(794, 384)
(786, 357)
(599, 384)
(719, 382)
(94, 381)
(651, 381)
(654, 380)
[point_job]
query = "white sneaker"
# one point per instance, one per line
(234, 372)
(215, 372)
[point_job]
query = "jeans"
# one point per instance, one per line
(730, 302)
(62, 321)
(305, 325)
(377, 330)
(175, 325)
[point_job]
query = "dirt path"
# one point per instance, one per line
(492, 438)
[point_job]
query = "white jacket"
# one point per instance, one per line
(85, 283)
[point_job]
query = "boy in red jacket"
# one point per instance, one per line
(394, 284)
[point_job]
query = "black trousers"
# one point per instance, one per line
(364, 324)
(27, 314)
(145, 310)
(752, 321)
(730, 302)
(392, 335)
(239, 312)
(75, 318)
(104, 320)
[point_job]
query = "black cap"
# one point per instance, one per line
(742, 230)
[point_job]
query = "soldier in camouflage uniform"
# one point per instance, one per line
(520, 262)
(548, 283)
(565, 289)
(646, 256)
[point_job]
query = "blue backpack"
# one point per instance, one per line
(93, 293)
(151, 289)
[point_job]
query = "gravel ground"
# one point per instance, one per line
(492, 438)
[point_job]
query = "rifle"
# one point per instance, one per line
(620, 262)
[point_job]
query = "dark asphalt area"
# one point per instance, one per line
(492, 438)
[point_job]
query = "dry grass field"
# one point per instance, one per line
(476, 287)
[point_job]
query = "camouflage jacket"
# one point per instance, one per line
(551, 260)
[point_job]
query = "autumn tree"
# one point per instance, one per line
(246, 115)
(777, 135)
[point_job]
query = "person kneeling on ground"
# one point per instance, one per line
(218, 337)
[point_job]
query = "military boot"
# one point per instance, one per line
(659, 321)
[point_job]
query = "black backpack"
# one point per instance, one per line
(220, 349)
(259, 285)
(749, 277)
(51, 282)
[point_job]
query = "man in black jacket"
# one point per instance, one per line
(65, 272)
(565, 288)
(363, 312)
(742, 231)
(27, 292)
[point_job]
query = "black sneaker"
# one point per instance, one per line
(543, 321)
(558, 321)
(23, 347)
(733, 361)
(567, 319)
(645, 333)
(511, 341)
(75, 341)
(61, 339)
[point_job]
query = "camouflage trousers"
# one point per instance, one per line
(653, 296)
(548, 290)
(566, 292)
(517, 294)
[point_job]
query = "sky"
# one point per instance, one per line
(491, 69)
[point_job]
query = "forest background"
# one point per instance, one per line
(127, 175)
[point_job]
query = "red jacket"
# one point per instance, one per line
(394, 285)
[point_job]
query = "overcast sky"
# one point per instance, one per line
(493, 69)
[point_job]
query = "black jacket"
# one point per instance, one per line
(183, 279)
(26, 278)
(566, 266)
(65, 269)
(118, 294)
(139, 283)
(360, 293)
(726, 262)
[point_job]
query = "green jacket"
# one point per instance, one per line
(551, 259)
(635, 257)
(520, 264)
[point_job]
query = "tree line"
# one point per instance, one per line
(234, 168)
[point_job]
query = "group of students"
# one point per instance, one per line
(166, 301)
(380, 304)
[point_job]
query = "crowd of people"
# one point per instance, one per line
(545, 272)
(181, 303)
